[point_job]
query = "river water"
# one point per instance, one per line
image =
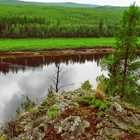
(31, 76)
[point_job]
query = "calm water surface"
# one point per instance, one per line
(30, 76)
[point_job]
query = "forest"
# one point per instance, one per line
(34, 21)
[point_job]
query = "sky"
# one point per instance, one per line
(98, 2)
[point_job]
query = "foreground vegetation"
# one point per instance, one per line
(82, 113)
(123, 65)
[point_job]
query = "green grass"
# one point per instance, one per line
(37, 44)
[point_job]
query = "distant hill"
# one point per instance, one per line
(65, 4)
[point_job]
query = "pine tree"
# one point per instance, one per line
(123, 64)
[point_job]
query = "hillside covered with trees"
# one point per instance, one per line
(34, 21)
(66, 4)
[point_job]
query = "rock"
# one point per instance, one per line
(71, 127)
(101, 138)
(115, 99)
(99, 118)
(138, 115)
(27, 128)
(23, 116)
(73, 119)
(114, 132)
(120, 123)
(115, 107)
(42, 127)
(99, 125)
(133, 118)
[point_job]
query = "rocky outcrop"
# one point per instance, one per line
(63, 117)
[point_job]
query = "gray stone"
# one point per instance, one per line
(120, 123)
(133, 118)
(112, 131)
(99, 118)
(99, 125)
(138, 115)
(72, 127)
(115, 107)
(115, 99)
(27, 128)
(23, 116)
(101, 137)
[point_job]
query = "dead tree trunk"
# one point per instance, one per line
(56, 80)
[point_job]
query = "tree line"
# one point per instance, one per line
(17, 21)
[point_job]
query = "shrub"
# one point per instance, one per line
(99, 95)
(28, 104)
(86, 85)
(53, 111)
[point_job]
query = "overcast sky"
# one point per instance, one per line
(98, 2)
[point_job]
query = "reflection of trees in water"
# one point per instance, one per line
(15, 64)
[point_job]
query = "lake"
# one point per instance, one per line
(31, 76)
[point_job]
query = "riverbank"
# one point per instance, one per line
(56, 52)
(55, 46)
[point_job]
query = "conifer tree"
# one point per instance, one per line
(123, 64)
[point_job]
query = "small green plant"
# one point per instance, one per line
(92, 106)
(85, 100)
(97, 134)
(92, 102)
(42, 108)
(132, 130)
(50, 91)
(17, 113)
(103, 106)
(126, 120)
(111, 137)
(86, 85)
(36, 122)
(137, 124)
(98, 103)
(53, 111)
(27, 105)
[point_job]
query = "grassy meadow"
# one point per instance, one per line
(38, 44)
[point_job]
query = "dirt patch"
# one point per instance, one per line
(57, 52)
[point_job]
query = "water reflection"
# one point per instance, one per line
(16, 64)
(30, 76)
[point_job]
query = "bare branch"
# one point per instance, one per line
(53, 80)
(54, 77)
(56, 80)
(62, 75)
(61, 69)
(65, 86)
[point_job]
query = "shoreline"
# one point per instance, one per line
(55, 52)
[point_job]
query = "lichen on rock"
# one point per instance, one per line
(74, 120)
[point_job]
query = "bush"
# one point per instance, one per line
(86, 85)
